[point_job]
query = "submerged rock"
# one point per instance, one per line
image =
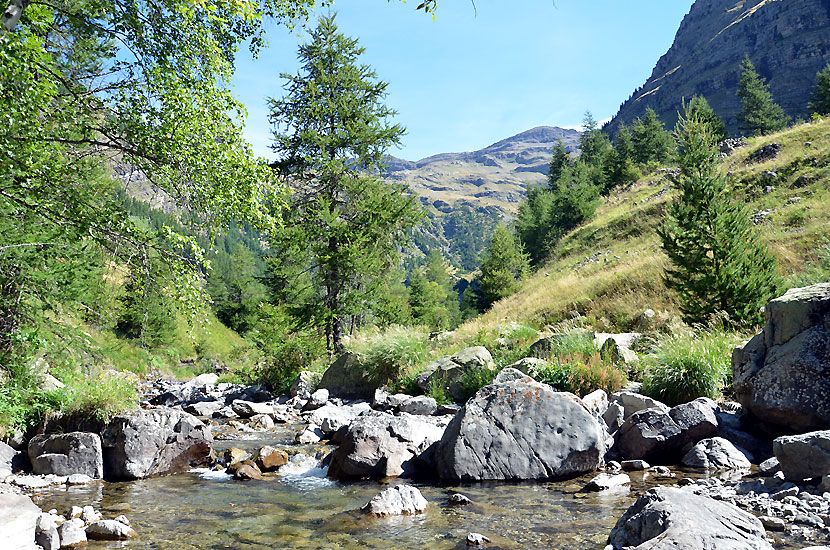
(667, 518)
(520, 430)
(605, 482)
(397, 501)
(109, 529)
(142, 443)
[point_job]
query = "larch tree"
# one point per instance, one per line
(760, 114)
(719, 264)
(331, 131)
(504, 267)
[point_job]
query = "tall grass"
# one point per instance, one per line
(687, 366)
(393, 354)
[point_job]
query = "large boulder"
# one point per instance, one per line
(448, 372)
(803, 456)
(347, 377)
(667, 518)
(67, 454)
(654, 434)
(10, 460)
(380, 445)
(782, 376)
(19, 519)
(716, 453)
(520, 430)
(305, 384)
(142, 443)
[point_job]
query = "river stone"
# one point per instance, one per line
(419, 405)
(633, 402)
(716, 453)
(46, 532)
(605, 482)
(476, 539)
(90, 514)
(655, 434)
(380, 445)
(520, 430)
(234, 455)
(65, 454)
(205, 379)
(782, 375)
(318, 399)
(78, 479)
(268, 458)
(803, 456)
(261, 422)
(109, 529)
(385, 401)
(247, 409)
(347, 378)
(305, 384)
(246, 471)
(71, 535)
(597, 402)
(11, 460)
(397, 501)
(668, 518)
(19, 519)
(147, 442)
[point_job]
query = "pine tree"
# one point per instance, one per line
(719, 265)
(760, 114)
(559, 161)
(331, 132)
(700, 109)
(535, 223)
(503, 268)
(652, 143)
(820, 100)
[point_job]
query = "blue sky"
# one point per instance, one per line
(473, 77)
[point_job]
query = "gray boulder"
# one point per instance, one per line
(305, 384)
(72, 534)
(380, 445)
(782, 375)
(509, 374)
(385, 401)
(520, 430)
(46, 533)
(11, 460)
(247, 409)
(617, 347)
(19, 520)
(632, 402)
(667, 518)
(318, 399)
(109, 529)
(66, 454)
(716, 454)
(653, 434)
(607, 482)
(142, 443)
(397, 501)
(447, 372)
(204, 408)
(529, 365)
(347, 378)
(803, 456)
(419, 405)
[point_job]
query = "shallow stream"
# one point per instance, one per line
(300, 508)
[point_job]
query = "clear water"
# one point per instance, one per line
(300, 508)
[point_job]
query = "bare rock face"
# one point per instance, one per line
(782, 375)
(786, 40)
(397, 501)
(379, 445)
(520, 430)
(67, 454)
(143, 443)
(667, 518)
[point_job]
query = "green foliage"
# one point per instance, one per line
(689, 366)
(100, 397)
(147, 314)
(818, 269)
(559, 161)
(503, 268)
(473, 380)
(433, 301)
(234, 288)
(760, 114)
(820, 99)
(343, 224)
(581, 374)
(282, 350)
(651, 142)
(393, 354)
(438, 391)
(699, 108)
(719, 264)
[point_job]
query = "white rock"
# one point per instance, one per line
(71, 535)
(109, 529)
(395, 501)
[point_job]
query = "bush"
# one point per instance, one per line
(582, 373)
(393, 354)
(101, 397)
(474, 380)
(686, 367)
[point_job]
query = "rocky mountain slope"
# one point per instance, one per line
(787, 40)
(496, 176)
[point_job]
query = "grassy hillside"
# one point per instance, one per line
(610, 270)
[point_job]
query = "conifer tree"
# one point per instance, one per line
(760, 114)
(700, 109)
(719, 265)
(331, 132)
(652, 143)
(503, 268)
(820, 100)
(559, 161)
